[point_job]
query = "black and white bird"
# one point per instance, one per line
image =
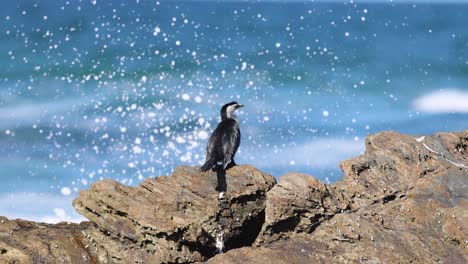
(225, 139)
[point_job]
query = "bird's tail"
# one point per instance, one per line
(208, 165)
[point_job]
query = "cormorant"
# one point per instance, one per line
(224, 140)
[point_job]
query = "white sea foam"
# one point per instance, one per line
(443, 101)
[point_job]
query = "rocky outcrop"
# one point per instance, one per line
(187, 217)
(182, 218)
(298, 204)
(29, 242)
(404, 200)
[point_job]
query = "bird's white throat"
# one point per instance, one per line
(229, 110)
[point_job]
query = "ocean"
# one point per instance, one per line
(129, 90)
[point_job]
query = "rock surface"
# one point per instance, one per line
(181, 218)
(404, 200)
(29, 242)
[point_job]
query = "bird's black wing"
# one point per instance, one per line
(238, 141)
(230, 140)
(214, 143)
(213, 149)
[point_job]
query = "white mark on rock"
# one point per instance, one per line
(421, 139)
(458, 164)
(220, 241)
(431, 150)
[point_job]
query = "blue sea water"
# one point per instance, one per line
(131, 89)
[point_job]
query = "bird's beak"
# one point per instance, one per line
(239, 106)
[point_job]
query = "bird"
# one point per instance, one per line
(225, 139)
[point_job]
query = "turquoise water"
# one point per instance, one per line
(130, 89)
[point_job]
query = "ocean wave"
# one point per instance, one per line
(443, 101)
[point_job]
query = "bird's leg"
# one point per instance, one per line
(217, 167)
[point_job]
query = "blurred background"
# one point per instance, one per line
(130, 89)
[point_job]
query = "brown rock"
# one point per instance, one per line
(297, 204)
(405, 200)
(178, 218)
(29, 242)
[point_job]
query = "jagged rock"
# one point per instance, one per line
(405, 200)
(297, 204)
(178, 218)
(29, 242)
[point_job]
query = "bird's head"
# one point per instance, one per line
(229, 108)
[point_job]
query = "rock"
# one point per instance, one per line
(29, 242)
(297, 204)
(178, 218)
(404, 200)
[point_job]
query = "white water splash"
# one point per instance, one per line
(220, 241)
